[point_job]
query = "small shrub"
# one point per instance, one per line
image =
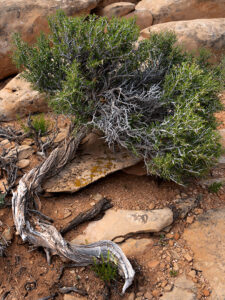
(215, 187)
(154, 99)
(105, 269)
(162, 240)
(2, 198)
(40, 125)
(173, 273)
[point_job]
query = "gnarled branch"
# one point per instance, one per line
(33, 229)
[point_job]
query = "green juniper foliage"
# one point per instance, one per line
(150, 97)
(39, 123)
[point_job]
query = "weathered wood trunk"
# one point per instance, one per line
(37, 231)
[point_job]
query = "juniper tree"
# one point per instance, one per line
(150, 96)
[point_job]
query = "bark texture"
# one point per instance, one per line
(39, 232)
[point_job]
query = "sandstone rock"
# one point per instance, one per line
(183, 289)
(23, 151)
(61, 135)
(117, 9)
(23, 163)
(104, 3)
(121, 222)
(72, 297)
(143, 17)
(18, 99)
(176, 10)
(132, 247)
(4, 142)
(29, 18)
(28, 142)
(94, 161)
(207, 240)
(195, 34)
(138, 169)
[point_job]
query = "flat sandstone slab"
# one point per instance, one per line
(120, 222)
(94, 161)
(206, 238)
(194, 34)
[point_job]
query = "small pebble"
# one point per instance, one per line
(162, 265)
(164, 283)
(175, 266)
(155, 293)
(151, 206)
(23, 163)
(169, 235)
(97, 197)
(67, 213)
(206, 293)
(153, 264)
(168, 287)
(198, 211)
(188, 257)
(168, 258)
(148, 295)
(190, 220)
(176, 236)
(171, 243)
(192, 273)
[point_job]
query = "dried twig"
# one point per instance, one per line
(35, 231)
(88, 215)
(9, 167)
(49, 297)
(66, 290)
(5, 295)
(11, 134)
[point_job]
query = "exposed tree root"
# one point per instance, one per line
(35, 230)
(88, 215)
